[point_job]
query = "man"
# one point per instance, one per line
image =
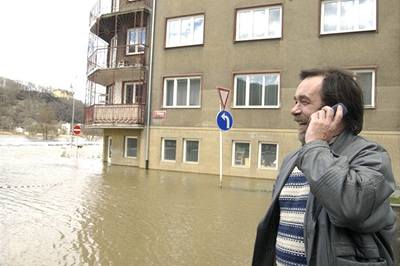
(330, 201)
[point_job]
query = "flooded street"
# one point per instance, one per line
(57, 209)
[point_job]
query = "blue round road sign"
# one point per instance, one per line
(224, 120)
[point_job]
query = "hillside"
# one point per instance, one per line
(35, 111)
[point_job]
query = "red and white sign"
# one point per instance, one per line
(223, 96)
(159, 114)
(77, 130)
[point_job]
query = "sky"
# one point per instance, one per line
(45, 42)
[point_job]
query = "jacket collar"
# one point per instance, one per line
(341, 142)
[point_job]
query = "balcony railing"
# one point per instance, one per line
(107, 57)
(114, 115)
(103, 7)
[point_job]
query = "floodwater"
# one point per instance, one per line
(62, 206)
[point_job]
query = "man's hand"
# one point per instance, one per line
(324, 124)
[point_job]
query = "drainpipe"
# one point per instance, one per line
(153, 18)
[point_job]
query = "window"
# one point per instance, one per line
(191, 151)
(168, 152)
(366, 80)
(257, 90)
(109, 94)
(182, 92)
(115, 6)
(259, 23)
(132, 92)
(267, 157)
(112, 57)
(185, 31)
(347, 16)
(131, 147)
(241, 154)
(135, 40)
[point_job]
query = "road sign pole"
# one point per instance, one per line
(220, 154)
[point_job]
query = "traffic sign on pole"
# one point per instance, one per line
(223, 96)
(224, 120)
(77, 130)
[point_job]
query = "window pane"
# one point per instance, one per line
(255, 90)
(274, 28)
(268, 155)
(173, 33)
(271, 90)
(347, 15)
(330, 16)
(131, 147)
(169, 149)
(260, 23)
(142, 40)
(170, 93)
(365, 81)
(366, 14)
(186, 31)
(194, 97)
(181, 98)
(244, 25)
(240, 90)
(198, 30)
(128, 93)
(138, 93)
(192, 151)
(131, 41)
(242, 151)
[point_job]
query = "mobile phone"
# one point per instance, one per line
(344, 108)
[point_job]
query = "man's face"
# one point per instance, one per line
(307, 100)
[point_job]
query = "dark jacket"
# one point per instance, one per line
(348, 218)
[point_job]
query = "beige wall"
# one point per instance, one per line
(118, 140)
(209, 149)
(300, 47)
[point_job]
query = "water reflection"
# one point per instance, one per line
(74, 211)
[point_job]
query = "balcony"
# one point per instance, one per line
(110, 7)
(127, 62)
(115, 116)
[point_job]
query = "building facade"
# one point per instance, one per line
(256, 48)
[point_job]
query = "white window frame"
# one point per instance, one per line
(184, 151)
(234, 151)
(338, 15)
(163, 149)
(137, 31)
(247, 99)
(252, 10)
(260, 166)
(126, 147)
(175, 93)
(180, 43)
(373, 87)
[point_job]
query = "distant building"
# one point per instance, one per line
(257, 48)
(59, 93)
(19, 130)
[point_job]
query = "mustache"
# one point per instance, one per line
(299, 120)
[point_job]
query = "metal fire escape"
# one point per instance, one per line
(113, 23)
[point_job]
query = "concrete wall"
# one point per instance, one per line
(300, 47)
(118, 142)
(209, 149)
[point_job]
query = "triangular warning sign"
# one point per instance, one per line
(223, 96)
